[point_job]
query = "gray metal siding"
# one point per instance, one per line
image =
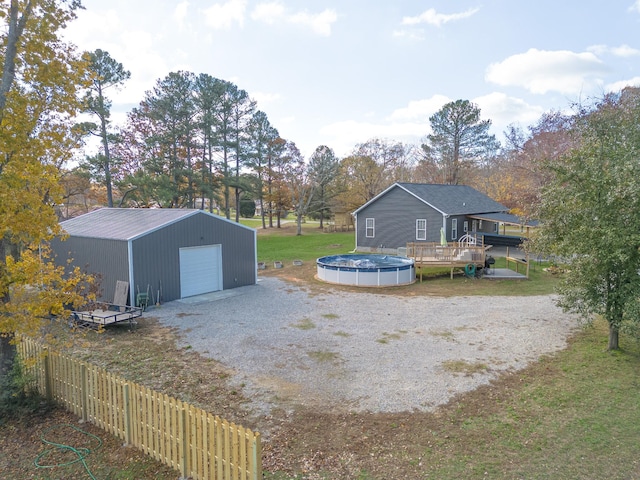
(395, 215)
(105, 257)
(156, 255)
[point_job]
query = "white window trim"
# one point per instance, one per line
(465, 226)
(454, 229)
(370, 225)
(422, 230)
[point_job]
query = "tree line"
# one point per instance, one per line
(196, 141)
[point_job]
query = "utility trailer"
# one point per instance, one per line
(108, 313)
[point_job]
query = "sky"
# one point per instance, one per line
(341, 72)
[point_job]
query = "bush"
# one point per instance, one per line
(247, 208)
(18, 393)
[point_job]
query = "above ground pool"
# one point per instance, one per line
(366, 270)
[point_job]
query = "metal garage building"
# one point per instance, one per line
(176, 253)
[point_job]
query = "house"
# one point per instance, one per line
(170, 253)
(413, 212)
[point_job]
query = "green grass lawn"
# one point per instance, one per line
(284, 245)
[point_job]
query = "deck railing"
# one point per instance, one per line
(456, 253)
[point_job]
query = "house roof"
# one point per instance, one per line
(126, 223)
(448, 199)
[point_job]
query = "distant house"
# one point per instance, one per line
(414, 212)
(173, 253)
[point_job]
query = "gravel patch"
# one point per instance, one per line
(363, 351)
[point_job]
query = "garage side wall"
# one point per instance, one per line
(156, 257)
(105, 257)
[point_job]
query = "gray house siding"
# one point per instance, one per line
(96, 255)
(395, 221)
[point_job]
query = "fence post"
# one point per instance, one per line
(182, 427)
(127, 415)
(84, 394)
(257, 456)
(48, 380)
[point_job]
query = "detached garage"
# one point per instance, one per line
(175, 253)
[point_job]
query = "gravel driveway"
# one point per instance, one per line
(363, 351)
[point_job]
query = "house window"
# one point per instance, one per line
(480, 225)
(421, 229)
(495, 227)
(454, 229)
(370, 224)
(465, 226)
(474, 225)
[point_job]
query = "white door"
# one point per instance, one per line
(200, 270)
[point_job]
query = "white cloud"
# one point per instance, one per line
(503, 111)
(635, 7)
(431, 17)
(617, 86)
(541, 71)
(273, 12)
(180, 13)
(223, 15)
(420, 109)
(625, 51)
(268, 12)
(621, 51)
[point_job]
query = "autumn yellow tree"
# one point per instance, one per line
(39, 92)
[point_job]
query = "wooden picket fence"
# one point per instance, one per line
(196, 443)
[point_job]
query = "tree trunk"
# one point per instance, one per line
(613, 338)
(107, 159)
(16, 27)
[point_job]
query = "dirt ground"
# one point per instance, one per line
(301, 443)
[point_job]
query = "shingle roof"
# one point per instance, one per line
(454, 199)
(123, 223)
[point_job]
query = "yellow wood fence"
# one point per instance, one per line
(196, 443)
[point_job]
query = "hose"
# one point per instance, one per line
(470, 269)
(81, 452)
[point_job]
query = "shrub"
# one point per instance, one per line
(18, 393)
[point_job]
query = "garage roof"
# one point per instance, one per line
(124, 223)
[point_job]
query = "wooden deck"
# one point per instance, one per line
(459, 255)
(453, 255)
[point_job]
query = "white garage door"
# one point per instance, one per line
(200, 270)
